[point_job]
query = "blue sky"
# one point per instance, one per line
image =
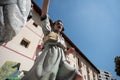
(93, 26)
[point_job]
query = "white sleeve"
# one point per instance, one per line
(45, 24)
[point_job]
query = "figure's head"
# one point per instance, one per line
(58, 26)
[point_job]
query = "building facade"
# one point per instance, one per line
(24, 47)
(81, 62)
(104, 75)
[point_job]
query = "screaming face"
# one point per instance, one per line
(58, 26)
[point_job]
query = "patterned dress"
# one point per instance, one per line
(51, 64)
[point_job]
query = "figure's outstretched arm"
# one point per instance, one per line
(45, 6)
(44, 18)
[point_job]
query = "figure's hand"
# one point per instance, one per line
(71, 50)
(40, 47)
(78, 77)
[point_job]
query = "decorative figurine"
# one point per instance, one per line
(51, 64)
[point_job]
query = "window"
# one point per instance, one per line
(74, 55)
(25, 42)
(93, 76)
(80, 70)
(79, 63)
(88, 70)
(84, 76)
(107, 75)
(99, 76)
(74, 65)
(35, 24)
(106, 72)
(107, 78)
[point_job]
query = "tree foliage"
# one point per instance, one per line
(117, 65)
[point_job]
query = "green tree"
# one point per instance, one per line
(117, 65)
